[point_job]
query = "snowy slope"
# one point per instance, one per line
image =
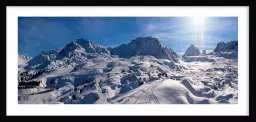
(166, 91)
(139, 80)
(200, 83)
(198, 59)
(145, 46)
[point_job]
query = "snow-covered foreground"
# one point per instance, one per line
(138, 80)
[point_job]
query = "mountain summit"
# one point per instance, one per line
(144, 46)
(192, 51)
(81, 47)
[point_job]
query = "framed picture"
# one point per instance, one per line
(130, 60)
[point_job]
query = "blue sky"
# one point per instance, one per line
(37, 34)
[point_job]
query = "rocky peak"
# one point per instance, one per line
(192, 51)
(144, 46)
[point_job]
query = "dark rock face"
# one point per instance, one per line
(227, 50)
(29, 75)
(192, 51)
(231, 46)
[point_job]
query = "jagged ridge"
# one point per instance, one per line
(144, 46)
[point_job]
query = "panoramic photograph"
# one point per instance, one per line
(127, 60)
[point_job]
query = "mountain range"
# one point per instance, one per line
(79, 50)
(143, 71)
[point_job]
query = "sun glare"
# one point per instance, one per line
(198, 23)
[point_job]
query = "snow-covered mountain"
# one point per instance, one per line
(22, 60)
(80, 49)
(141, 72)
(75, 52)
(42, 58)
(192, 51)
(227, 50)
(144, 46)
(231, 46)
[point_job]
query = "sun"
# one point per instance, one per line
(198, 24)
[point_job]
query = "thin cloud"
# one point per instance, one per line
(228, 24)
(178, 32)
(160, 27)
